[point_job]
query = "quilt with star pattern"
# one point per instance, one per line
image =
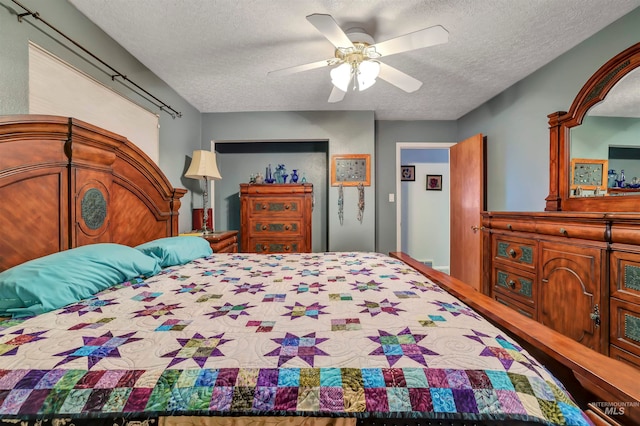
(317, 334)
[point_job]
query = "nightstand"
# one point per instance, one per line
(223, 241)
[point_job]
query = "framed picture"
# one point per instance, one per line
(351, 169)
(587, 173)
(434, 182)
(408, 173)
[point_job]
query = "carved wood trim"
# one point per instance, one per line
(560, 123)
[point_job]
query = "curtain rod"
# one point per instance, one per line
(162, 106)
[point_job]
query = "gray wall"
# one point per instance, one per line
(346, 132)
(387, 134)
(178, 137)
(516, 125)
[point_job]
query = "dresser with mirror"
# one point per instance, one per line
(576, 266)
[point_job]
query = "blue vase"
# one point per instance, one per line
(268, 178)
(294, 176)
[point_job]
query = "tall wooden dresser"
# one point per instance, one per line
(275, 218)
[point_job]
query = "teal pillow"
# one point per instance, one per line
(172, 251)
(56, 280)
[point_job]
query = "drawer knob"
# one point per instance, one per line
(512, 253)
(509, 227)
(512, 284)
(264, 207)
(563, 231)
(287, 206)
(287, 227)
(287, 248)
(264, 247)
(264, 227)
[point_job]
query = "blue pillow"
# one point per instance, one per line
(172, 251)
(56, 280)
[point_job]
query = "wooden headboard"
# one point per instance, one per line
(65, 183)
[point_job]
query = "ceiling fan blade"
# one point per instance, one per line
(330, 29)
(417, 40)
(299, 68)
(398, 78)
(336, 95)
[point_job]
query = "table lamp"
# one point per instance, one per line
(203, 167)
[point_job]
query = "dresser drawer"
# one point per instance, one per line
(625, 276)
(287, 206)
(233, 248)
(624, 356)
(513, 224)
(261, 245)
(223, 242)
(270, 227)
(515, 251)
(625, 325)
(516, 284)
(566, 228)
(527, 311)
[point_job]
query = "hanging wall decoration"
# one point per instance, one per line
(341, 204)
(351, 169)
(434, 182)
(360, 202)
(408, 173)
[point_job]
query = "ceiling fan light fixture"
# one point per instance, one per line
(341, 76)
(368, 72)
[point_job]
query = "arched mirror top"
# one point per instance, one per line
(597, 139)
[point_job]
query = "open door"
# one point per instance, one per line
(467, 164)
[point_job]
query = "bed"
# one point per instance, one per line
(316, 338)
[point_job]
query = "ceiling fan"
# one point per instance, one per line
(356, 58)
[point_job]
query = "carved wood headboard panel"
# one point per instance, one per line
(66, 183)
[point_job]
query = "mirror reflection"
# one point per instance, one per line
(605, 148)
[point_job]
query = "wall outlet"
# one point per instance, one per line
(392, 198)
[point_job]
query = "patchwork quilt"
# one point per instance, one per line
(332, 334)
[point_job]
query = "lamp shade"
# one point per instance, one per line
(341, 76)
(203, 165)
(367, 73)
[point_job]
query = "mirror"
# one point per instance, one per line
(605, 148)
(595, 146)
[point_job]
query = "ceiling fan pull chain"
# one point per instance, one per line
(360, 201)
(340, 204)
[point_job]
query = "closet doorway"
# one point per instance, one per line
(238, 160)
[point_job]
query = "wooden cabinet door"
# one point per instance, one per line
(570, 292)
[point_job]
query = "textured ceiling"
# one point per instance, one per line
(217, 53)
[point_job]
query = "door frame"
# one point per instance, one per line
(399, 147)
